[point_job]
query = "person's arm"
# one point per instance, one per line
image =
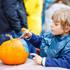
(9, 7)
(63, 61)
(53, 62)
(35, 40)
(60, 62)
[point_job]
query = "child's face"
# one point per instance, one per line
(57, 29)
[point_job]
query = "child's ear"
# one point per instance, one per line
(67, 29)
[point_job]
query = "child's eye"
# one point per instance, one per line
(56, 24)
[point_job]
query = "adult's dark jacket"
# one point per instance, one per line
(9, 15)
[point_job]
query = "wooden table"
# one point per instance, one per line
(29, 65)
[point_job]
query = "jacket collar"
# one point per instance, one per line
(63, 37)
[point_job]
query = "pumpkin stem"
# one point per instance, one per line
(10, 36)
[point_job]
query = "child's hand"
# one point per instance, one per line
(23, 29)
(26, 33)
(37, 59)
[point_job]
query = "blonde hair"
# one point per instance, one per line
(62, 16)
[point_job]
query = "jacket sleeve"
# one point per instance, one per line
(35, 40)
(60, 62)
(63, 61)
(10, 10)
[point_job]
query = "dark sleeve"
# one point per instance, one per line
(63, 61)
(60, 62)
(10, 10)
(35, 40)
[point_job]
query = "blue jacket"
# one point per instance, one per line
(9, 16)
(56, 49)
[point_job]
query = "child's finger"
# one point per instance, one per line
(34, 58)
(23, 29)
(24, 33)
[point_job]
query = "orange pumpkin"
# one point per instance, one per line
(14, 51)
